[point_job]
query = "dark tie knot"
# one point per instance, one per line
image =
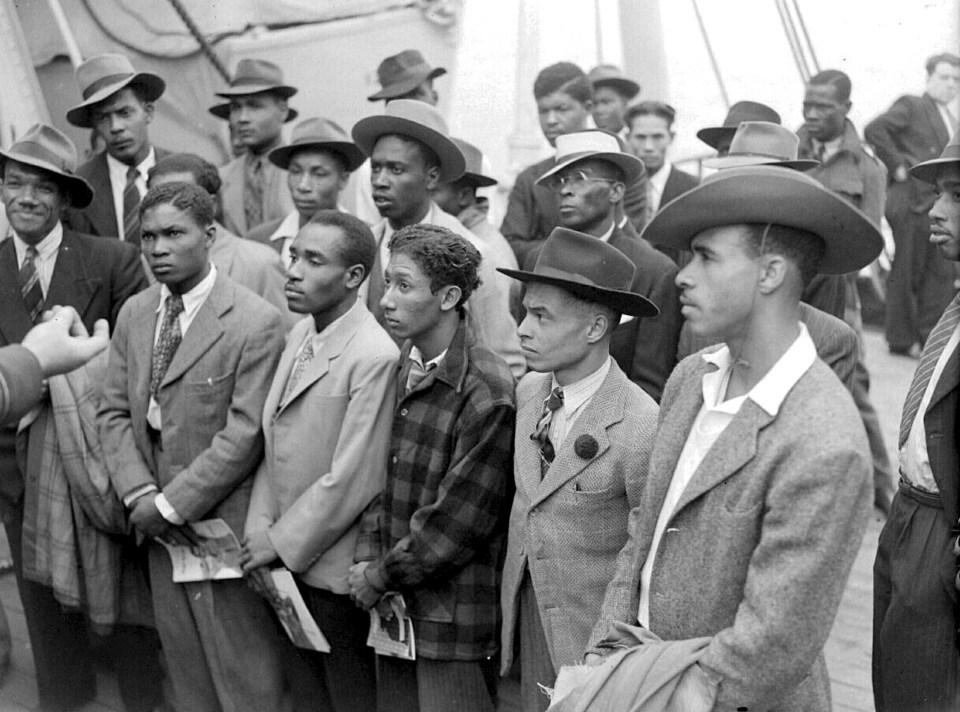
(556, 399)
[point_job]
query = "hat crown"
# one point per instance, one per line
(585, 142)
(763, 138)
(749, 111)
(256, 71)
(47, 144)
(318, 130)
(398, 66)
(93, 73)
(577, 257)
(472, 156)
(419, 112)
(605, 71)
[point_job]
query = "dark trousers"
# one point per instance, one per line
(436, 685)
(916, 665)
(536, 667)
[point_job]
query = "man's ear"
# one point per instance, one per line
(773, 272)
(432, 179)
(449, 297)
(149, 109)
(466, 196)
(616, 192)
(210, 234)
(354, 276)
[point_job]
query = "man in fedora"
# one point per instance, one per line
(118, 105)
(612, 92)
(253, 188)
(756, 495)
(459, 198)
(41, 265)
(719, 137)
(582, 427)
(411, 153)
(589, 181)
(916, 577)
(317, 162)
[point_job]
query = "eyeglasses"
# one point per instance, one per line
(574, 179)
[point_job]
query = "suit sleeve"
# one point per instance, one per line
(212, 475)
(655, 349)
(21, 382)
(127, 278)
(883, 131)
(520, 222)
(841, 356)
(333, 503)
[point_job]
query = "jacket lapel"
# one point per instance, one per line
(949, 379)
(69, 283)
(14, 320)
(527, 450)
(936, 121)
(101, 212)
(375, 294)
(203, 333)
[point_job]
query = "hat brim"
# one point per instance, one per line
(81, 193)
(765, 194)
(478, 180)
(713, 135)
(929, 171)
(353, 157)
(284, 91)
(152, 86)
(626, 87)
(367, 131)
(741, 160)
(407, 84)
(631, 166)
(222, 111)
(623, 302)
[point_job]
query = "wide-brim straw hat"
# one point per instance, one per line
(610, 75)
(222, 111)
(759, 143)
(322, 135)
(594, 144)
(45, 147)
(401, 73)
(589, 268)
(771, 195)
(929, 171)
(416, 120)
(738, 113)
(102, 76)
(474, 162)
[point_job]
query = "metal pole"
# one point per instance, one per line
(73, 49)
(806, 37)
(713, 59)
(792, 40)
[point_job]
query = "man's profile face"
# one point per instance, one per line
(553, 334)
(609, 106)
(561, 114)
(121, 120)
(823, 113)
(175, 246)
(650, 137)
(401, 180)
(258, 118)
(944, 82)
(315, 179)
(587, 197)
(410, 307)
(945, 214)
(316, 278)
(34, 200)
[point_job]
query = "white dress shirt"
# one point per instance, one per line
(46, 258)
(575, 399)
(286, 231)
(118, 181)
(714, 416)
(657, 182)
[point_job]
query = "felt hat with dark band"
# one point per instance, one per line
(588, 268)
(474, 161)
(770, 195)
(759, 143)
(609, 75)
(102, 76)
(416, 120)
(929, 171)
(594, 144)
(47, 148)
(738, 113)
(321, 135)
(401, 73)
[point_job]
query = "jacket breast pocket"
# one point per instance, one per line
(211, 386)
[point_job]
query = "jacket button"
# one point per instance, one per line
(394, 459)
(403, 411)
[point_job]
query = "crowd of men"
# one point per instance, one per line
(630, 428)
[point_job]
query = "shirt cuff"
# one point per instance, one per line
(136, 494)
(167, 511)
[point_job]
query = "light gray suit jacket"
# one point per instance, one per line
(759, 547)
(211, 400)
(325, 448)
(276, 196)
(569, 527)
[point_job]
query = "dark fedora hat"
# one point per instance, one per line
(254, 76)
(474, 160)
(595, 144)
(104, 75)
(45, 147)
(738, 113)
(929, 171)
(401, 73)
(589, 268)
(222, 111)
(770, 195)
(418, 121)
(762, 143)
(609, 75)
(319, 134)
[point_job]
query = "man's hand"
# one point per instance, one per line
(61, 342)
(260, 581)
(147, 518)
(362, 593)
(257, 551)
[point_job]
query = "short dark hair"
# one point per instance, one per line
(357, 245)
(189, 198)
(429, 156)
(650, 108)
(585, 305)
(204, 173)
(837, 79)
(444, 257)
(951, 59)
(802, 248)
(566, 77)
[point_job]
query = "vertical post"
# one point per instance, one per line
(644, 55)
(526, 143)
(73, 49)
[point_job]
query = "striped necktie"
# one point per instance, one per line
(131, 208)
(542, 435)
(928, 362)
(167, 344)
(253, 192)
(29, 280)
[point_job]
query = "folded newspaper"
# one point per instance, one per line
(391, 630)
(212, 554)
(293, 613)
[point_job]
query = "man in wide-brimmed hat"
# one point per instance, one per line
(582, 426)
(612, 92)
(916, 589)
(757, 493)
(719, 137)
(410, 154)
(118, 104)
(44, 264)
(253, 188)
(407, 75)
(589, 180)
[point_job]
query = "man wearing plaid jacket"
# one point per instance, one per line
(437, 532)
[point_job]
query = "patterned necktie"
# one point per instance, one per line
(167, 344)
(928, 362)
(303, 358)
(417, 374)
(253, 192)
(542, 435)
(30, 288)
(131, 208)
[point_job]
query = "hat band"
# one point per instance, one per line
(250, 81)
(547, 271)
(755, 154)
(102, 82)
(36, 151)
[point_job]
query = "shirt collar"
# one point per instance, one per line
(770, 392)
(659, 179)
(288, 227)
(428, 219)
(195, 298)
(470, 216)
(579, 392)
(118, 169)
(46, 248)
(417, 358)
(605, 237)
(331, 327)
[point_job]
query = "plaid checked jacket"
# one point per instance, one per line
(436, 534)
